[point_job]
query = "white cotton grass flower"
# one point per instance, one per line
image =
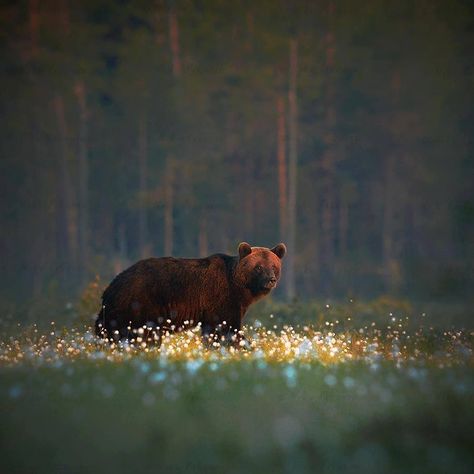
(348, 382)
(304, 349)
(330, 380)
(192, 366)
(290, 374)
(15, 391)
(287, 348)
(157, 377)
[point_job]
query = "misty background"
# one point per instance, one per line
(137, 128)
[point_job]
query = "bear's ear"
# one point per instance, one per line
(279, 250)
(244, 250)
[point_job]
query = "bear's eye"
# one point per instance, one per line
(258, 268)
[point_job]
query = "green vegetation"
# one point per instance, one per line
(138, 128)
(388, 400)
(236, 417)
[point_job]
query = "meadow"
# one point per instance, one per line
(343, 129)
(343, 394)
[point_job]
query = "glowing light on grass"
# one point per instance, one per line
(285, 345)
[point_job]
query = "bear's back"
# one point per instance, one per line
(169, 279)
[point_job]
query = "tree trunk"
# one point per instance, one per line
(343, 226)
(174, 42)
(169, 174)
(392, 271)
(292, 169)
(169, 205)
(310, 248)
(34, 20)
(67, 214)
(159, 23)
(328, 214)
(83, 179)
(64, 20)
(142, 186)
(120, 261)
(203, 238)
(282, 172)
(249, 201)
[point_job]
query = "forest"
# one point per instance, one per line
(136, 128)
(139, 128)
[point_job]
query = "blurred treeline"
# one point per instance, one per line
(135, 128)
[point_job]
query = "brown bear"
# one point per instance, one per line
(170, 294)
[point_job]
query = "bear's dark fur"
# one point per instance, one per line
(169, 294)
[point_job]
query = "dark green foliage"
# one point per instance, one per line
(400, 86)
(240, 417)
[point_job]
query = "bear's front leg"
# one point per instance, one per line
(226, 332)
(209, 334)
(230, 330)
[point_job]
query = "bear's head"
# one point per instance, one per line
(259, 268)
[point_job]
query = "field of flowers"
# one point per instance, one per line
(326, 398)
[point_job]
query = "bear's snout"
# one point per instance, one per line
(271, 282)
